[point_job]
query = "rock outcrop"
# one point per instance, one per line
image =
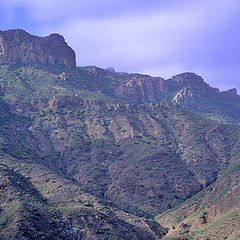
(187, 90)
(142, 89)
(19, 47)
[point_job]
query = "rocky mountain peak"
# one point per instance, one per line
(18, 46)
(188, 77)
(231, 92)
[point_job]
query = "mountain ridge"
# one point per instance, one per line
(98, 154)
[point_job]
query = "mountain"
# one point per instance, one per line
(91, 153)
(211, 214)
(52, 56)
(38, 201)
(19, 47)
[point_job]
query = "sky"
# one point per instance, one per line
(156, 37)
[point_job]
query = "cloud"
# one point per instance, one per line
(55, 9)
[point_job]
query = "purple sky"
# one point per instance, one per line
(158, 37)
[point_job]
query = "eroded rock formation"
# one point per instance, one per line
(18, 46)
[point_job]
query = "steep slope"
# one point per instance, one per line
(40, 204)
(137, 157)
(212, 214)
(24, 213)
(88, 153)
(37, 202)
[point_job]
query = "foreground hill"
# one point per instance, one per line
(37, 203)
(211, 214)
(88, 153)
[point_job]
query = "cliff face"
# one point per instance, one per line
(18, 46)
(142, 89)
(180, 88)
(187, 90)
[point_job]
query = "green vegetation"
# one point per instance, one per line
(90, 152)
(217, 224)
